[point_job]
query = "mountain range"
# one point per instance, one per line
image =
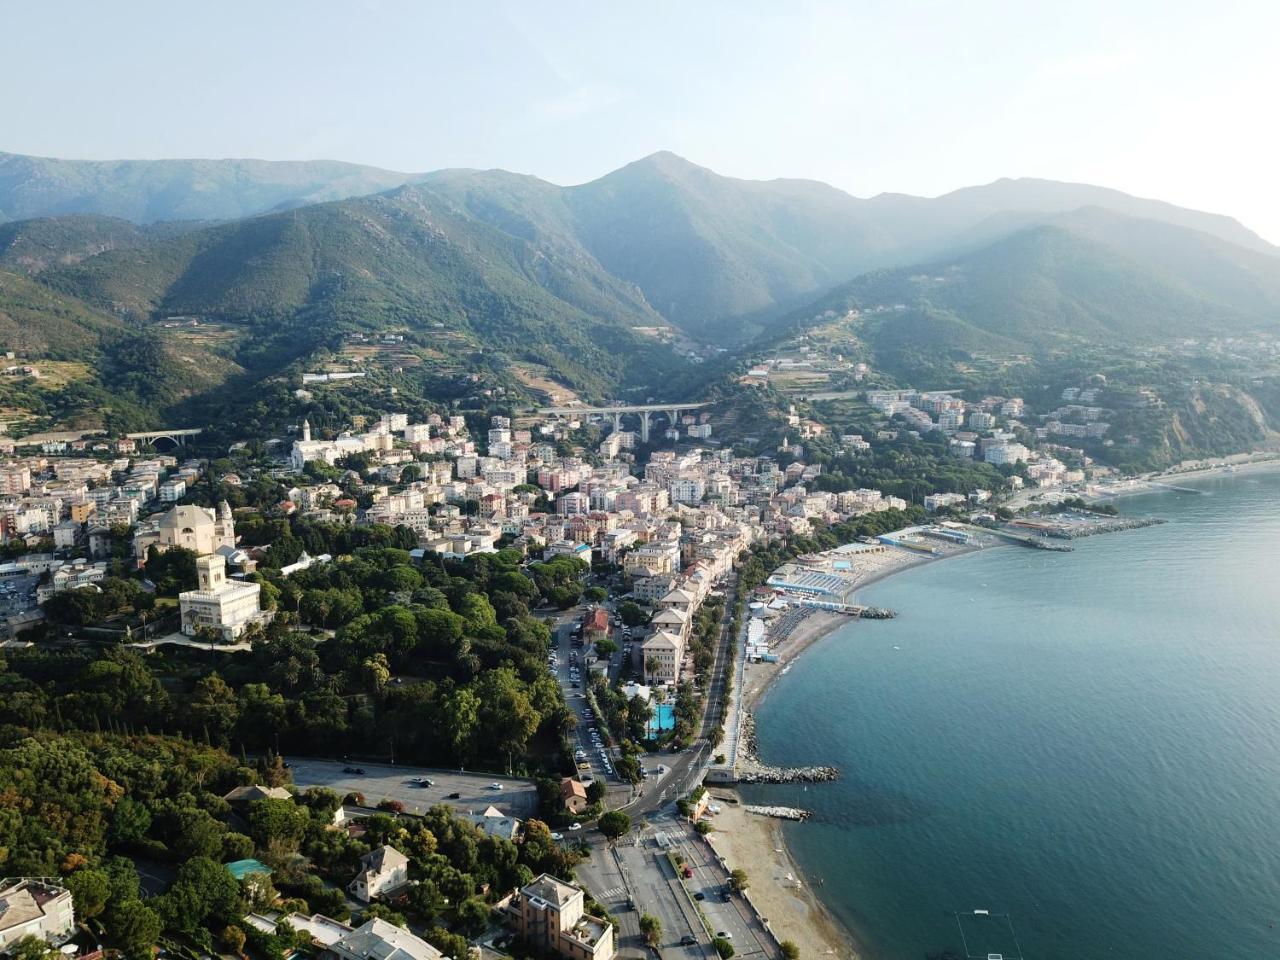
(603, 287)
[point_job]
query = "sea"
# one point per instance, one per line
(1085, 745)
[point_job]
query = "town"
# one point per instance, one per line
(618, 565)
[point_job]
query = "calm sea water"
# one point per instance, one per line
(1088, 742)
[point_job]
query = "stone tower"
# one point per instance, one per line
(211, 572)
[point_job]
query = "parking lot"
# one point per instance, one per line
(516, 797)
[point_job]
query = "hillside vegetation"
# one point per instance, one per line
(717, 256)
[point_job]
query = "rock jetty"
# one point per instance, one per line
(1109, 525)
(789, 775)
(877, 613)
(781, 813)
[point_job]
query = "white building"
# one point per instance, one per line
(228, 606)
(381, 870)
(1005, 453)
(31, 907)
(171, 491)
(379, 940)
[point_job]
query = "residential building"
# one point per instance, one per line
(381, 871)
(35, 907)
(550, 914)
(379, 940)
(573, 795)
(495, 823)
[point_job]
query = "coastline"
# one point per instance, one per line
(1156, 482)
(758, 844)
(759, 677)
(794, 910)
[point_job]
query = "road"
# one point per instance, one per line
(634, 877)
(724, 914)
(517, 797)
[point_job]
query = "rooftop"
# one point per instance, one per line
(548, 888)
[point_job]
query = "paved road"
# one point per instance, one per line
(636, 872)
(619, 792)
(732, 916)
(382, 781)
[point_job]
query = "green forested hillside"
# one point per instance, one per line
(708, 249)
(720, 257)
(413, 261)
(36, 321)
(1048, 288)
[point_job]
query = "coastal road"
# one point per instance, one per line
(728, 914)
(519, 798)
(634, 877)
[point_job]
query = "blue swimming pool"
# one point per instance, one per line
(664, 718)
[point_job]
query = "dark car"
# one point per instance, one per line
(688, 940)
(699, 895)
(348, 769)
(359, 771)
(454, 796)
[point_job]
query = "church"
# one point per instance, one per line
(198, 529)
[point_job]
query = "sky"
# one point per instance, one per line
(1174, 100)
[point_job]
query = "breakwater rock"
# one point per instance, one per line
(789, 775)
(781, 813)
(877, 613)
(1044, 543)
(1110, 525)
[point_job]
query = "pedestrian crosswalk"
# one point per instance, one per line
(612, 892)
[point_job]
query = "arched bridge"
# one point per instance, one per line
(176, 438)
(672, 411)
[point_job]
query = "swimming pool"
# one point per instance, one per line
(664, 718)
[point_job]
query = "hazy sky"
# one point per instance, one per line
(1176, 100)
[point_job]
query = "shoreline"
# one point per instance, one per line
(1156, 482)
(778, 891)
(758, 844)
(820, 624)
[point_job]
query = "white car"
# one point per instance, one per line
(575, 826)
(557, 836)
(495, 786)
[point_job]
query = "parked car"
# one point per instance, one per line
(557, 836)
(724, 935)
(454, 796)
(688, 940)
(699, 895)
(575, 826)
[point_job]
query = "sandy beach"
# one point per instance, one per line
(793, 910)
(755, 843)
